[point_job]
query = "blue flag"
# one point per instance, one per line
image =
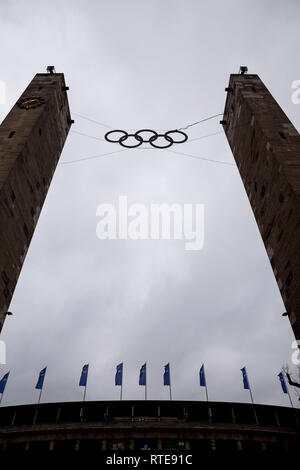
(3, 382)
(202, 377)
(142, 379)
(41, 379)
(84, 375)
(245, 378)
(119, 374)
(167, 374)
(282, 381)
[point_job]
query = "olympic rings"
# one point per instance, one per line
(151, 140)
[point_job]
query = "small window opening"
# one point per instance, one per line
(289, 278)
(11, 134)
(5, 277)
(269, 230)
(287, 264)
(282, 135)
(25, 230)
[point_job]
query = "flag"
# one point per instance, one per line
(202, 376)
(245, 378)
(142, 379)
(119, 374)
(84, 375)
(41, 379)
(282, 381)
(3, 382)
(167, 374)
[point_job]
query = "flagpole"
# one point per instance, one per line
(249, 386)
(205, 383)
(170, 381)
(288, 395)
(86, 381)
(145, 380)
(121, 391)
(251, 396)
(287, 389)
(36, 411)
(81, 409)
(39, 399)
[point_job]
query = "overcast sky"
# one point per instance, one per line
(163, 65)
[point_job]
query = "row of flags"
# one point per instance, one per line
(142, 380)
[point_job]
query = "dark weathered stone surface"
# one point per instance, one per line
(31, 141)
(266, 147)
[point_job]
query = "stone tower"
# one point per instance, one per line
(31, 140)
(266, 148)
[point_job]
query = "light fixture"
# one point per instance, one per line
(243, 69)
(51, 69)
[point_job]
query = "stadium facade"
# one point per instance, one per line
(156, 426)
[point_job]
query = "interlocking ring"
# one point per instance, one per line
(138, 138)
(151, 140)
(118, 140)
(185, 137)
(155, 135)
(168, 139)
